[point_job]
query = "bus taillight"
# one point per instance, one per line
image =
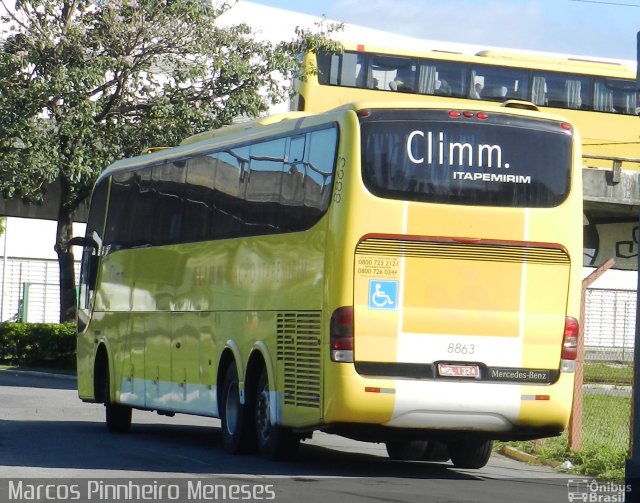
(341, 335)
(468, 114)
(570, 340)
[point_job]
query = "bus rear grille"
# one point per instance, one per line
(489, 252)
(300, 352)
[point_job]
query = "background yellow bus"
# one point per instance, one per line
(598, 97)
(395, 273)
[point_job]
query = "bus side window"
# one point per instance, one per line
(231, 173)
(500, 84)
(561, 90)
(262, 199)
(347, 69)
(441, 78)
(142, 210)
(320, 169)
(382, 71)
(167, 181)
(615, 95)
(327, 67)
(199, 198)
(292, 192)
(352, 70)
(117, 235)
(405, 79)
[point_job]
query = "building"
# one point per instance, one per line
(29, 272)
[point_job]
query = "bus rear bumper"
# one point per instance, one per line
(499, 410)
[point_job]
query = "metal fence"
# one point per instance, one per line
(30, 290)
(609, 331)
(610, 321)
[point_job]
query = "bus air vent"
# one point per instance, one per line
(445, 249)
(299, 353)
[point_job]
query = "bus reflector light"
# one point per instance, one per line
(482, 116)
(543, 397)
(454, 114)
(566, 126)
(570, 340)
(468, 115)
(341, 334)
(363, 113)
(369, 389)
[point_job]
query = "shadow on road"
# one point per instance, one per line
(183, 449)
(28, 379)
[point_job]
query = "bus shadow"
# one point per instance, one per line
(184, 449)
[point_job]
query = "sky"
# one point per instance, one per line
(602, 28)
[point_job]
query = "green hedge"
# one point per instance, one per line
(50, 344)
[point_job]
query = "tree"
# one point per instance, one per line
(86, 82)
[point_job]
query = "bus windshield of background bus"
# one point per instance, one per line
(494, 161)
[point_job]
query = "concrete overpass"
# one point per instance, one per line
(611, 204)
(612, 209)
(48, 210)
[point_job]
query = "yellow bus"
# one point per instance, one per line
(396, 273)
(598, 97)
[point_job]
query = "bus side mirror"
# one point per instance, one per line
(82, 241)
(90, 262)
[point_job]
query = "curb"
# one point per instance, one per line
(518, 455)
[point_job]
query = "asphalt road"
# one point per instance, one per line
(47, 433)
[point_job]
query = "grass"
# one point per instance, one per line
(608, 373)
(605, 439)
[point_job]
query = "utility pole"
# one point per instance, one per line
(632, 469)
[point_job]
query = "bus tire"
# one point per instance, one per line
(406, 450)
(274, 442)
(118, 416)
(236, 429)
(436, 451)
(471, 453)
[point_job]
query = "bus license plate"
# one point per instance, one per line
(454, 370)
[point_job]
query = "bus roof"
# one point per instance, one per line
(278, 123)
(210, 139)
(243, 126)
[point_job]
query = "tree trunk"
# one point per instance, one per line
(65, 256)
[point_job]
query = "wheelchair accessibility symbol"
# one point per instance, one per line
(383, 294)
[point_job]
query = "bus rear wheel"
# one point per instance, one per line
(470, 453)
(417, 450)
(236, 431)
(118, 416)
(406, 450)
(274, 442)
(436, 451)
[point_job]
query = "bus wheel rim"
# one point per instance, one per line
(263, 424)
